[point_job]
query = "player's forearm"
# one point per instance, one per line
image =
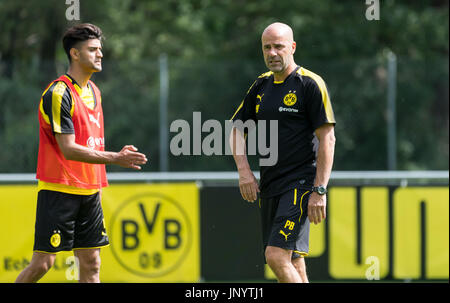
(76, 152)
(237, 145)
(128, 157)
(81, 153)
(324, 162)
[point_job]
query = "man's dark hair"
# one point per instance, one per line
(79, 33)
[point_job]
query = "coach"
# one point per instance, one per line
(293, 191)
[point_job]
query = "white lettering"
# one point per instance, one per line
(213, 143)
(373, 11)
(373, 272)
(73, 11)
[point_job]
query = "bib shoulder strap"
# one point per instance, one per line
(97, 93)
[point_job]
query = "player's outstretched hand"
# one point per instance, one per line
(129, 157)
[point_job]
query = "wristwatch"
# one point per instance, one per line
(321, 190)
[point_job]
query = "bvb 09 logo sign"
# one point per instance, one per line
(150, 235)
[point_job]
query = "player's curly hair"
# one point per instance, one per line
(79, 33)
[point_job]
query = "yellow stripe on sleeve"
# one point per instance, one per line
(238, 109)
(41, 107)
(57, 95)
(242, 103)
(323, 90)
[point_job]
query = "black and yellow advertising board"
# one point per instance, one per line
(153, 232)
(371, 233)
(180, 232)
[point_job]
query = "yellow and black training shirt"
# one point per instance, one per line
(57, 106)
(300, 104)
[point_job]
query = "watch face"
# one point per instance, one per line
(321, 190)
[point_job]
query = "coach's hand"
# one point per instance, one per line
(248, 185)
(129, 157)
(317, 208)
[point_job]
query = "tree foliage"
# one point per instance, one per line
(214, 55)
